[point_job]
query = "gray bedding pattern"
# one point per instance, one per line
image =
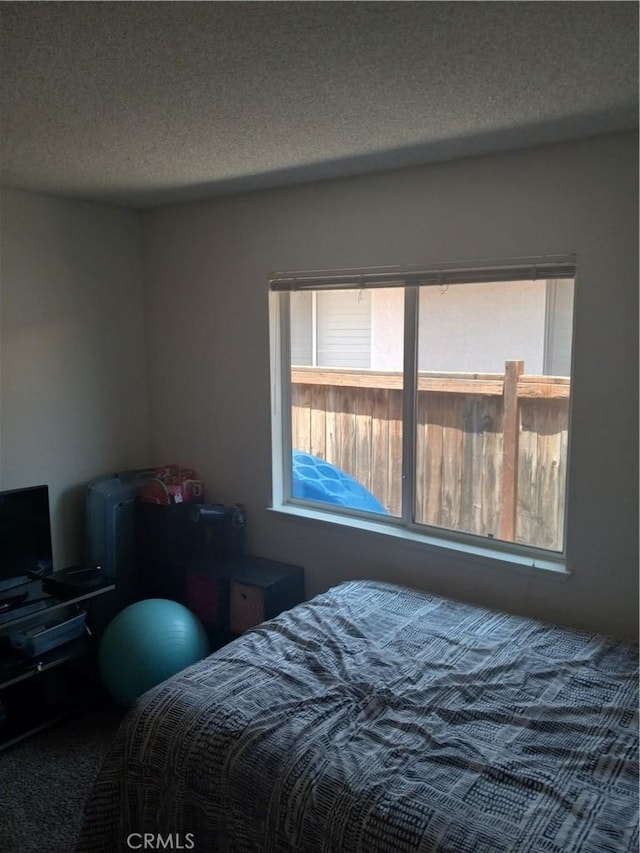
(378, 718)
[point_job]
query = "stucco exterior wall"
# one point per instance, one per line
(470, 328)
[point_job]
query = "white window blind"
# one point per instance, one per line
(518, 269)
(344, 329)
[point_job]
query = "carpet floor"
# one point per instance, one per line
(45, 780)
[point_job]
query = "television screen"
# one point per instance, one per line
(25, 535)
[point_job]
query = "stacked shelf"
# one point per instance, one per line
(36, 691)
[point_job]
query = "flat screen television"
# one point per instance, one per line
(25, 536)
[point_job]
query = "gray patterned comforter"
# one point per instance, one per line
(378, 718)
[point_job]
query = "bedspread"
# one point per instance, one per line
(379, 718)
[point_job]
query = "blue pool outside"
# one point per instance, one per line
(317, 480)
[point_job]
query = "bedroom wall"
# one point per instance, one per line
(206, 265)
(72, 352)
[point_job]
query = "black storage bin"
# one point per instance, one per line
(171, 540)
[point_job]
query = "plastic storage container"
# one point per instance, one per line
(110, 505)
(46, 634)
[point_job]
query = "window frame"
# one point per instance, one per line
(404, 525)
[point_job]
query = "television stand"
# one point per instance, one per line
(9, 585)
(38, 690)
(11, 602)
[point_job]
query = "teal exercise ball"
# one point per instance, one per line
(146, 643)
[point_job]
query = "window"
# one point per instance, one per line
(331, 329)
(431, 400)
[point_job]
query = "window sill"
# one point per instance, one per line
(484, 554)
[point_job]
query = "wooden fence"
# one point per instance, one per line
(491, 449)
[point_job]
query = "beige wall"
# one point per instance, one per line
(72, 354)
(206, 266)
(74, 365)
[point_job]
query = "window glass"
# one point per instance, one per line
(491, 425)
(346, 404)
(469, 436)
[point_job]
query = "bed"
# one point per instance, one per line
(380, 718)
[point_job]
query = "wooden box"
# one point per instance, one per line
(259, 589)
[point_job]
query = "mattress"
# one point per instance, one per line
(380, 718)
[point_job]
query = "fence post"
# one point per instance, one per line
(512, 371)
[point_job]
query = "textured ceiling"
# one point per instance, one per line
(143, 103)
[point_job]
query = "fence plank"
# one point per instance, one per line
(544, 390)
(488, 384)
(395, 453)
(433, 462)
(318, 421)
(562, 428)
(526, 521)
(380, 445)
(422, 476)
(347, 418)
(363, 428)
(492, 472)
(473, 464)
(452, 465)
(510, 434)
(300, 416)
(460, 449)
(333, 435)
